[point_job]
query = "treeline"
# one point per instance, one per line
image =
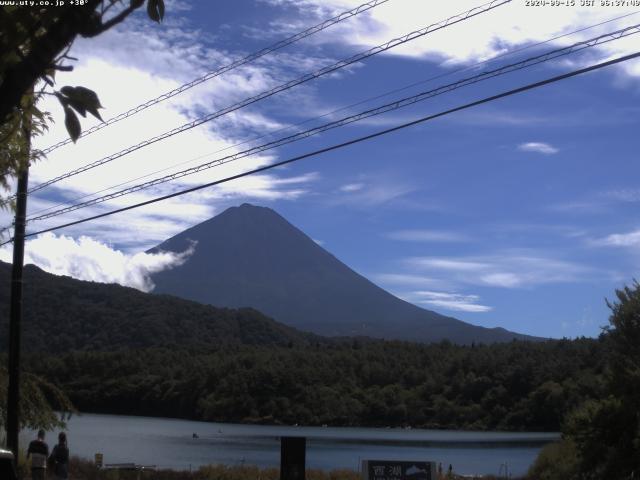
(601, 438)
(63, 314)
(514, 386)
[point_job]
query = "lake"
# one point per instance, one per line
(169, 443)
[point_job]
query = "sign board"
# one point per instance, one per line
(398, 470)
(292, 458)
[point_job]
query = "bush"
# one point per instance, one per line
(556, 461)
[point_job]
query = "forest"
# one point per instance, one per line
(63, 314)
(111, 349)
(513, 386)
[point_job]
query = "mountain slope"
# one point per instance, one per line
(251, 256)
(61, 314)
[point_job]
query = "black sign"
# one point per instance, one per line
(398, 470)
(292, 458)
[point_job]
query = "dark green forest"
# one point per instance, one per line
(514, 386)
(117, 350)
(62, 314)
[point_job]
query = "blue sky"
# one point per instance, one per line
(521, 213)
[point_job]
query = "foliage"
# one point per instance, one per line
(117, 350)
(606, 431)
(63, 314)
(15, 140)
(556, 461)
(514, 386)
(33, 47)
(39, 401)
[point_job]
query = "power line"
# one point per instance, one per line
(347, 107)
(280, 88)
(214, 73)
(401, 103)
(507, 93)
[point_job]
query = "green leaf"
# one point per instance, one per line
(72, 123)
(155, 10)
(82, 100)
(67, 91)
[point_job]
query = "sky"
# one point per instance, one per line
(520, 213)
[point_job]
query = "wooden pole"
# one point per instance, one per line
(15, 312)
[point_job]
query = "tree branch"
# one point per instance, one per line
(103, 27)
(20, 77)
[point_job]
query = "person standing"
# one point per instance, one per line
(59, 459)
(38, 451)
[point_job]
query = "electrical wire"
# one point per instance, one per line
(280, 88)
(401, 103)
(380, 133)
(347, 107)
(214, 73)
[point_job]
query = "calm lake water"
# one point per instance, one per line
(169, 443)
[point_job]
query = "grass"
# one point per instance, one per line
(80, 469)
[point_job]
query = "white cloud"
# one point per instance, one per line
(498, 116)
(538, 147)
(375, 190)
(161, 61)
(503, 279)
(405, 279)
(599, 202)
(563, 230)
(579, 206)
(513, 269)
(629, 195)
(352, 187)
(493, 32)
(450, 264)
(630, 239)
(92, 260)
(426, 236)
(450, 301)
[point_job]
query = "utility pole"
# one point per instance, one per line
(15, 312)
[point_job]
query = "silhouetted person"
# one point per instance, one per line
(59, 459)
(38, 451)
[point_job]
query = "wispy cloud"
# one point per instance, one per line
(538, 147)
(426, 236)
(629, 239)
(449, 301)
(627, 195)
(496, 117)
(548, 229)
(509, 270)
(352, 187)
(92, 260)
(579, 206)
(372, 191)
(408, 280)
(161, 61)
(449, 264)
(510, 26)
(598, 202)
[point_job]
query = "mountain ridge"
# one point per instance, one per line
(63, 314)
(252, 256)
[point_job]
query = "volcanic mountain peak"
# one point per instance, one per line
(250, 256)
